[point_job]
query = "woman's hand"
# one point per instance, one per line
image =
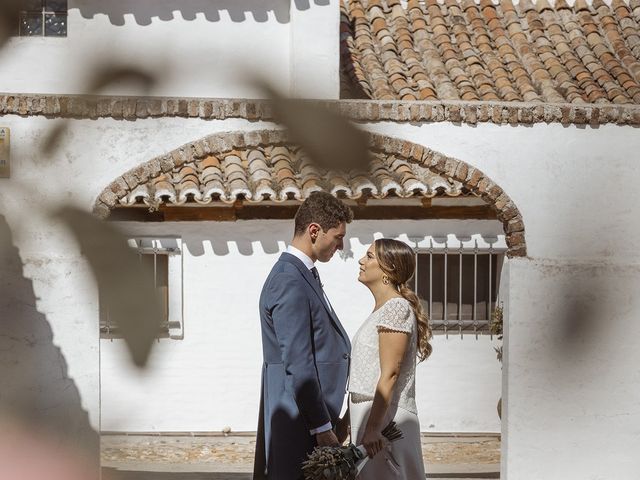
(373, 442)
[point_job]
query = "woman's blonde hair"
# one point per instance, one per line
(398, 262)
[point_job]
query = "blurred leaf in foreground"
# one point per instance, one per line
(125, 283)
(114, 74)
(331, 141)
(53, 137)
(110, 74)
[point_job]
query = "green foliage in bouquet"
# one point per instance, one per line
(337, 463)
(342, 463)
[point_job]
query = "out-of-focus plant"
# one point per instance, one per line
(106, 75)
(330, 140)
(496, 327)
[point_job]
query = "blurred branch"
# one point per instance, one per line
(106, 75)
(330, 140)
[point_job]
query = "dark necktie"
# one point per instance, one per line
(316, 275)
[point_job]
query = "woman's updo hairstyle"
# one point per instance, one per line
(398, 262)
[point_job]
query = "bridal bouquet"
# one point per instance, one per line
(342, 463)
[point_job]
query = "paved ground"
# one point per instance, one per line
(231, 458)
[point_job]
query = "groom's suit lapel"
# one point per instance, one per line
(308, 276)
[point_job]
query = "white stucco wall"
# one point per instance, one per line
(572, 370)
(315, 49)
(196, 48)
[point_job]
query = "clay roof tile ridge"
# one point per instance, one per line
(596, 4)
(615, 4)
(543, 5)
(487, 4)
(507, 6)
(581, 5)
(526, 5)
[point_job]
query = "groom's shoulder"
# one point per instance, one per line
(285, 265)
(283, 275)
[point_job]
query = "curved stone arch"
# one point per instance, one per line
(472, 178)
(225, 143)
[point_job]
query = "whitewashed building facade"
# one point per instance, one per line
(504, 141)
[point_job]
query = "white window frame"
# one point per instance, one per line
(172, 247)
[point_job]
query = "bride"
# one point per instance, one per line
(382, 372)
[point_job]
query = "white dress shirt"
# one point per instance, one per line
(309, 264)
(304, 258)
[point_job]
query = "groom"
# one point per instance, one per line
(305, 349)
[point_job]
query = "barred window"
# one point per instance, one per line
(43, 18)
(459, 287)
(164, 259)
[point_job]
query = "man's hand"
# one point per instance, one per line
(327, 439)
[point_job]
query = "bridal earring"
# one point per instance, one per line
(385, 280)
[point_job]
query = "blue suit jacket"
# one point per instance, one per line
(304, 375)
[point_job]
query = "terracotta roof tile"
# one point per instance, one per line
(480, 50)
(282, 172)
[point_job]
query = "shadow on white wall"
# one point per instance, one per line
(36, 389)
(145, 11)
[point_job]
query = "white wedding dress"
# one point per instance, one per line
(401, 459)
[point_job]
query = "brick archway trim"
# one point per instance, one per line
(220, 143)
(472, 178)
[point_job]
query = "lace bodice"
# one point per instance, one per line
(397, 315)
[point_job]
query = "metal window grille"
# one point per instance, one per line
(43, 18)
(459, 288)
(157, 260)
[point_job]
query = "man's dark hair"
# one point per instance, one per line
(324, 209)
